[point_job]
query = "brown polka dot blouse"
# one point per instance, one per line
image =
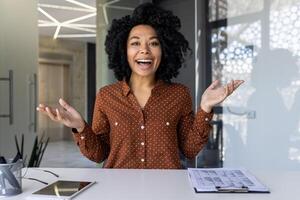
(128, 136)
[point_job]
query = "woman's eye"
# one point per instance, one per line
(154, 44)
(135, 43)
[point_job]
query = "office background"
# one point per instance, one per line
(254, 40)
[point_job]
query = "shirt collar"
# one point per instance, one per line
(156, 90)
(125, 87)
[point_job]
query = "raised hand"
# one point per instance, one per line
(66, 115)
(215, 94)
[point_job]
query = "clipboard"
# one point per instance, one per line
(224, 180)
(232, 190)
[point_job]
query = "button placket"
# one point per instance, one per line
(142, 144)
(142, 138)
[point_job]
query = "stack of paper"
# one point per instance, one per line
(224, 180)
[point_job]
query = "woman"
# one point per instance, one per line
(144, 120)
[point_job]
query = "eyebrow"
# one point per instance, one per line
(136, 37)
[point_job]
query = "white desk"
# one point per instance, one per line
(123, 184)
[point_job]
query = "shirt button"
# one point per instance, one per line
(167, 123)
(206, 119)
(142, 143)
(142, 127)
(82, 137)
(143, 160)
(116, 123)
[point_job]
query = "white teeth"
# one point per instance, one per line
(142, 60)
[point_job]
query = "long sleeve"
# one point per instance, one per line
(94, 141)
(130, 137)
(192, 130)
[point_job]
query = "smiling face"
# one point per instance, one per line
(143, 51)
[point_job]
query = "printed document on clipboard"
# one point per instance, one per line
(224, 180)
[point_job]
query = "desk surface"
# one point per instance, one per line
(131, 184)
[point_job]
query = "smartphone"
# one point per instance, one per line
(61, 189)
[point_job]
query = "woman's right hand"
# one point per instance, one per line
(66, 115)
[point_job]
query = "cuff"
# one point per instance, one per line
(80, 137)
(74, 130)
(204, 117)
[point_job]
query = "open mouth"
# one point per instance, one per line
(144, 63)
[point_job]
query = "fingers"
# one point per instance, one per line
(214, 84)
(233, 85)
(64, 104)
(229, 88)
(237, 83)
(59, 117)
(41, 107)
(46, 110)
(54, 113)
(226, 91)
(51, 114)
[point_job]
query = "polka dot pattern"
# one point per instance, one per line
(128, 136)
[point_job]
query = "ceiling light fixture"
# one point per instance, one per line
(76, 35)
(120, 7)
(65, 7)
(79, 28)
(90, 28)
(109, 5)
(56, 32)
(48, 15)
(81, 4)
(80, 18)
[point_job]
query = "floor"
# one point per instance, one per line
(65, 154)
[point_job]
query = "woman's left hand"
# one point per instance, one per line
(215, 94)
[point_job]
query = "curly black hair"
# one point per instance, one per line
(174, 46)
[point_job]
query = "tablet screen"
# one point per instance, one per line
(63, 188)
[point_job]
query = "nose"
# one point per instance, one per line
(144, 49)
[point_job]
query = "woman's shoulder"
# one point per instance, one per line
(111, 88)
(178, 87)
(179, 91)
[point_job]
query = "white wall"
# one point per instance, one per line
(267, 136)
(18, 52)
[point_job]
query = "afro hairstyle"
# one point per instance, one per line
(174, 46)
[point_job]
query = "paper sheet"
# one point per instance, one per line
(209, 179)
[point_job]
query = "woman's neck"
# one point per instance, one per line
(141, 83)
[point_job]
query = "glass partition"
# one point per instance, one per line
(258, 41)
